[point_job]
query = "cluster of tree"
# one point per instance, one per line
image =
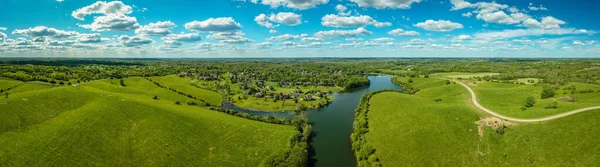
(364, 153)
(269, 119)
(176, 91)
(409, 89)
(297, 154)
(529, 102)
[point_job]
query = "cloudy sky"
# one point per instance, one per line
(299, 28)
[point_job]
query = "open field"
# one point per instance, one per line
(464, 75)
(184, 85)
(106, 124)
(508, 99)
(415, 129)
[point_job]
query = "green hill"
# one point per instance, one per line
(103, 124)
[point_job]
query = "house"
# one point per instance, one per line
(249, 92)
(269, 87)
(307, 83)
(298, 91)
(285, 96)
(285, 83)
(259, 94)
(319, 94)
(308, 98)
(298, 83)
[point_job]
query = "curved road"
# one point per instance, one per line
(474, 99)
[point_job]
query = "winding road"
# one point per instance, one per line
(474, 99)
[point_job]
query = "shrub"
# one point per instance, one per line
(190, 102)
(155, 97)
(552, 105)
(177, 102)
(438, 100)
(529, 102)
(548, 93)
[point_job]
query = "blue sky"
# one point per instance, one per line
(299, 28)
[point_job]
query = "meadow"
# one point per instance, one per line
(106, 124)
(437, 127)
(185, 85)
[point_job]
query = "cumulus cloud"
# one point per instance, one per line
(383, 4)
(134, 41)
(311, 39)
(43, 31)
(113, 23)
(2, 36)
(273, 31)
(295, 4)
(235, 37)
(341, 9)
(284, 37)
(548, 22)
(468, 14)
(402, 33)
(183, 37)
(214, 25)
(263, 45)
(439, 25)
(507, 34)
(343, 33)
(101, 7)
(91, 38)
(172, 44)
(287, 18)
(461, 38)
(161, 28)
(536, 8)
(2, 28)
(337, 21)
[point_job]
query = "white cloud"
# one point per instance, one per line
(461, 38)
(172, 44)
(2, 28)
(101, 7)
(353, 39)
(497, 17)
(548, 22)
(514, 33)
(402, 33)
(343, 33)
(134, 41)
(535, 8)
(43, 31)
(287, 18)
(439, 25)
(383, 39)
(341, 9)
(582, 43)
(91, 38)
(113, 23)
(161, 28)
(2, 36)
(284, 37)
(273, 31)
(337, 21)
(383, 4)
(235, 37)
(263, 45)
(468, 14)
(295, 4)
(214, 25)
(183, 37)
(309, 39)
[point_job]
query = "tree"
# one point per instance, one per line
(177, 102)
(410, 81)
(529, 102)
(552, 105)
(548, 93)
(300, 107)
(122, 82)
(155, 97)
(6, 95)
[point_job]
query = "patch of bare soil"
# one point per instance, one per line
(24, 99)
(492, 122)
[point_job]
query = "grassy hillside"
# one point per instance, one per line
(416, 130)
(184, 85)
(508, 99)
(101, 124)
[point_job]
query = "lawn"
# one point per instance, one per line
(507, 99)
(101, 124)
(185, 85)
(415, 130)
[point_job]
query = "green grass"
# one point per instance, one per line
(464, 75)
(507, 99)
(185, 85)
(414, 130)
(7, 83)
(99, 124)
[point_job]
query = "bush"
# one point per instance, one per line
(552, 105)
(155, 97)
(529, 102)
(438, 100)
(177, 102)
(548, 93)
(191, 102)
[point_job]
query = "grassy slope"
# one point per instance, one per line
(464, 74)
(184, 85)
(86, 126)
(268, 105)
(508, 99)
(7, 83)
(415, 130)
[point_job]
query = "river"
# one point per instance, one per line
(332, 125)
